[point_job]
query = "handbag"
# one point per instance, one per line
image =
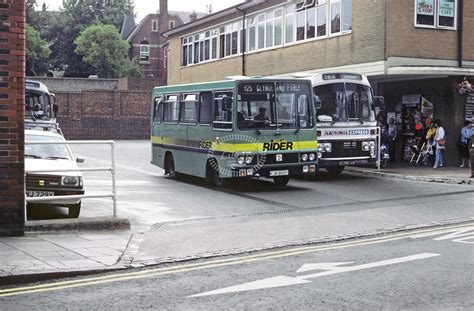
(441, 142)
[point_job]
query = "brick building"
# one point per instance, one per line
(147, 44)
(12, 107)
(411, 50)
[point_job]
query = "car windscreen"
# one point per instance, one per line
(46, 151)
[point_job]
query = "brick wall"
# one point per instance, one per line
(406, 40)
(104, 114)
(12, 106)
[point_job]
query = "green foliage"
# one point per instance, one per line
(37, 52)
(60, 29)
(102, 48)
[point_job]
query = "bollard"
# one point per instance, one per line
(471, 156)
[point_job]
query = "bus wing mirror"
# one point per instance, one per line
(317, 102)
(379, 102)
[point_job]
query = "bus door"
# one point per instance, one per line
(214, 119)
(188, 124)
(172, 135)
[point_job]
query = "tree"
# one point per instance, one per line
(102, 48)
(37, 53)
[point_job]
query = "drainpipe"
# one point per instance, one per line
(244, 40)
(460, 25)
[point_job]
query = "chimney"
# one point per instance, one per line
(193, 16)
(164, 17)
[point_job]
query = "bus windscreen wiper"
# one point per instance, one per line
(336, 117)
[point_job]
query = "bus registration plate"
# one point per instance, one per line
(39, 193)
(279, 173)
(347, 163)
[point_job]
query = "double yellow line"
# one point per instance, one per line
(225, 262)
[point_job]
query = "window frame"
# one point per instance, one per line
(154, 25)
(168, 101)
(436, 16)
(182, 108)
(143, 53)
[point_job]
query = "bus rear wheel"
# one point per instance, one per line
(281, 181)
(169, 166)
(335, 170)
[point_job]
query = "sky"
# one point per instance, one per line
(144, 7)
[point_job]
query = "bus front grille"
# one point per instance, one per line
(346, 149)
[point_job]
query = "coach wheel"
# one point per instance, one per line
(281, 181)
(335, 170)
(169, 166)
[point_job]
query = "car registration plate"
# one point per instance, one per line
(279, 173)
(347, 163)
(39, 193)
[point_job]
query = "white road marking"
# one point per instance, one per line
(460, 236)
(322, 266)
(280, 281)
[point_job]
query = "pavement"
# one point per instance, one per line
(69, 249)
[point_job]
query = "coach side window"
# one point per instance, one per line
(205, 108)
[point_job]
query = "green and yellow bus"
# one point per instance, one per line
(236, 128)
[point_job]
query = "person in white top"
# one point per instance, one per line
(440, 142)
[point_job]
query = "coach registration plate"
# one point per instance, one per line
(279, 173)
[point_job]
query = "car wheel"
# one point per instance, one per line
(74, 210)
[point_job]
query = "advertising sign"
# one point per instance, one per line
(446, 8)
(425, 7)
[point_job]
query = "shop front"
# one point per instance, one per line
(413, 103)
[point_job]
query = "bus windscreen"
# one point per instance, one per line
(274, 105)
(342, 102)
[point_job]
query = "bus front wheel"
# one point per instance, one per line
(169, 166)
(335, 170)
(281, 181)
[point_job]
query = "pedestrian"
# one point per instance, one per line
(463, 144)
(440, 144)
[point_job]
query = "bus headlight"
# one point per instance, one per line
(241, 160)
(304, 157)
(365, 146)
(368, 145)
(326, 147)
(312, 156)
(248, 159)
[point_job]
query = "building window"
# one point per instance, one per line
(341, 15)
(289, 23)
(286, 24)
(171, 24)
(144, 51)
(436, 13)
(154, 25)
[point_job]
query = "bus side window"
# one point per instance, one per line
(158, 110)
(171, 109)
(205, 108)
(223, 110)
(189, 109)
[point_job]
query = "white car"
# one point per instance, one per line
(48, 157)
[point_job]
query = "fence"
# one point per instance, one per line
(111, 169)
